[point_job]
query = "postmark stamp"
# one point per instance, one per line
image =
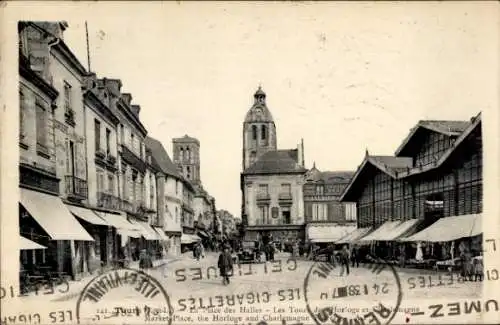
(124, 296)
(333, 296)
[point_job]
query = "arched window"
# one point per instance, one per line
(181, 154)
(188, 154)
(263, 132)
(188, 172)
(254, 132)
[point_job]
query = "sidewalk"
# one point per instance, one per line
(74, 288)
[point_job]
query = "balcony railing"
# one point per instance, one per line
(263, 197)
(76, 187)
(108, 201)
(111, 159)
(127, 206)
(69, 116)
(285, 196)
(101, 154)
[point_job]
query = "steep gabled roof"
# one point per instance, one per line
(446, 127)
(276, 162)
(401, 167)
(161, 159)
(387, 164)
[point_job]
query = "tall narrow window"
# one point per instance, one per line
(41, 125)
(122, 134)
(188, 172)
(100, 181)
(254, 132)
(181, 153)
(97, 135)
(263, 132)
(67, 97)
(132, 141)
(286, 188)
(111, 184)
(71, 158)
(22, 108)
(253, 155)
(108, 141)
(188, 154)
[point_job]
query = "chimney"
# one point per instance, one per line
(300, 153)
(136, 109)
(127, 98)
(89, 82)
(114, 85)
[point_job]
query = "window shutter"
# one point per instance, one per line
(67, 156)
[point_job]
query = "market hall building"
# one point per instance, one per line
(429, 193)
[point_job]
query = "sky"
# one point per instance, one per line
(345, 77)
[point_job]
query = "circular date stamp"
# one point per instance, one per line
(367, 295)
(124, 296)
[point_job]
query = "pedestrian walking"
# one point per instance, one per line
(355, 256)
(225, 265)
(202, 250)
(344, 259)
(145, 261)
(478, 269)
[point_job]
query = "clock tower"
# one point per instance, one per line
(259, 131)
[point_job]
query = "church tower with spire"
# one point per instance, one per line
(259, 130)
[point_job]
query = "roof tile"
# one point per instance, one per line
(276, 162)
(161, 158)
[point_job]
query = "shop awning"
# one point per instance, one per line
(405, 228)
(354, 236)
(123, 227)
(327, 233)
(118, 221)
(161, 233)
(26, 244)
(53, 216)
(450, 228)
(146, 231)
(381, 232)
(87, 215)
(189, 239)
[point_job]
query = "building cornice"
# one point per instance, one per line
(100, 108)
(125, 109)
(64, 50)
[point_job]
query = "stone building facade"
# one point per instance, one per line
(169, 197)
(327, 218)
(52, 140)
(272, 180)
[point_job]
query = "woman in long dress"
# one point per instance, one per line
(420, 255)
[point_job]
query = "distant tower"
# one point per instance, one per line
(187, 157)
(259, 131)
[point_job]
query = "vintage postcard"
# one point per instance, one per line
(249, 163)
